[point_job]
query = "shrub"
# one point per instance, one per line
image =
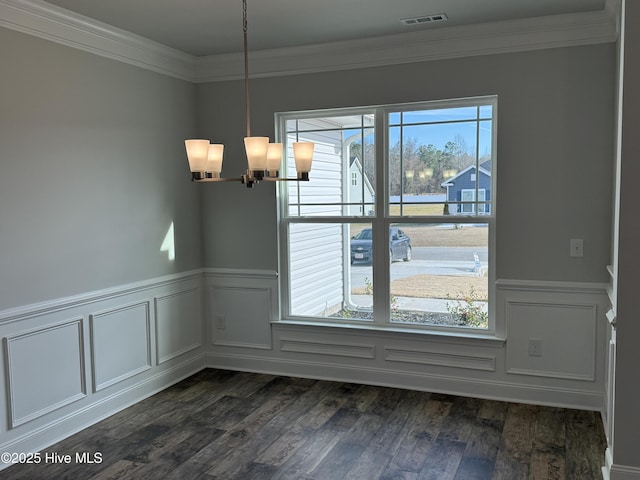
(469, 309)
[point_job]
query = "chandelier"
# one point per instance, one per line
(263, 158)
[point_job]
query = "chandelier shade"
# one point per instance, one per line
(274, 158)
(197, 154)
(256, 149)
(264, 159)
(303, 154)
(214, 161)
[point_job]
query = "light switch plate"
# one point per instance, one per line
(576, 247)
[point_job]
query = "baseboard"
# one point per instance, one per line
(61, 428)
(612, 471)
(623, 472)
(493, 390)
(71, 362)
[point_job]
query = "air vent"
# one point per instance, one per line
(425, 19)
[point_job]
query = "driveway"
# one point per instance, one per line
(426, 260)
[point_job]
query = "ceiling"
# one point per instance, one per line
(212, 27)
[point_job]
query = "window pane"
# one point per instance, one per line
(486, 111)
(440, 115)
(330, 123)
(439, 275)
(342, 178)
(485, 140)
(433, 163)
(330, 271)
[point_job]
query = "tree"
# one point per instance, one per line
(367, 158)
(416, 168)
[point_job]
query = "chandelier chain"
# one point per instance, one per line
(246, 68)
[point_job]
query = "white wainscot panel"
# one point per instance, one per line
(440, 358)
(45, 369)
(241, 316)
(565, 334)
(178, 324)
(120, 344)
(332, 348)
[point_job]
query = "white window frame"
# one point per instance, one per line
(482, 196)
(382, 221)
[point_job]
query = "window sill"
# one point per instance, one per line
(447, 336)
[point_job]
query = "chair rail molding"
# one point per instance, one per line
(70, 362)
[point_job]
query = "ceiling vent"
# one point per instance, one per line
(425, 19)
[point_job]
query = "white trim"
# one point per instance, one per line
(92, 341)
(64, 303)
(339, 349)
(421, 381)
(623, 472)
(443, 359)
(589, 375)
(44, 20)
(34, 431)
(38, 18)
(14, 421)
(450, 42)
(78, 420)
(241, 273)
(465, 338)
(187, 348)
(551, 286)
(608, 462)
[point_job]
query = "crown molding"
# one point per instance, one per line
(443, 43)
(44, 20)
(38, 18)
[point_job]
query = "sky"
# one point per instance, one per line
(438, 127)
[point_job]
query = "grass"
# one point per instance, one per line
(436, 236)
(417, 209)
(436, 286)
(423, 235)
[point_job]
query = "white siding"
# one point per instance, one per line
(356, 191)
(316, 250)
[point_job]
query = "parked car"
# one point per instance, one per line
(399, 246)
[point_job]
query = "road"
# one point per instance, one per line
(426, 260)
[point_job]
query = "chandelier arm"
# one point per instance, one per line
(218, 179)
(246, 68)
(285, 179)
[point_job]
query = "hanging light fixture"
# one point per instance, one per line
(263, 158)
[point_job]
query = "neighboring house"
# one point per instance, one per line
(360, 188)
(462, 188)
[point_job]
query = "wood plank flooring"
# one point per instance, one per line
(222, 425)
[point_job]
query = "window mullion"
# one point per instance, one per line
(381, 307)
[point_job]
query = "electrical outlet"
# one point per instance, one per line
(221, 322)
(535, 348)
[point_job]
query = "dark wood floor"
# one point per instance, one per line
(228, 425)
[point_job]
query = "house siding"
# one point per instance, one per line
(464, 182)
(316, 251)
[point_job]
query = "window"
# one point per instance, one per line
(395, 229)
(468, 195)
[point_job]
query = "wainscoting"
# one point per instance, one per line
(71, 362)
(567, 319)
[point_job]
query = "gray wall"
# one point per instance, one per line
(555, 144)
(627, 388)
(92, 172)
